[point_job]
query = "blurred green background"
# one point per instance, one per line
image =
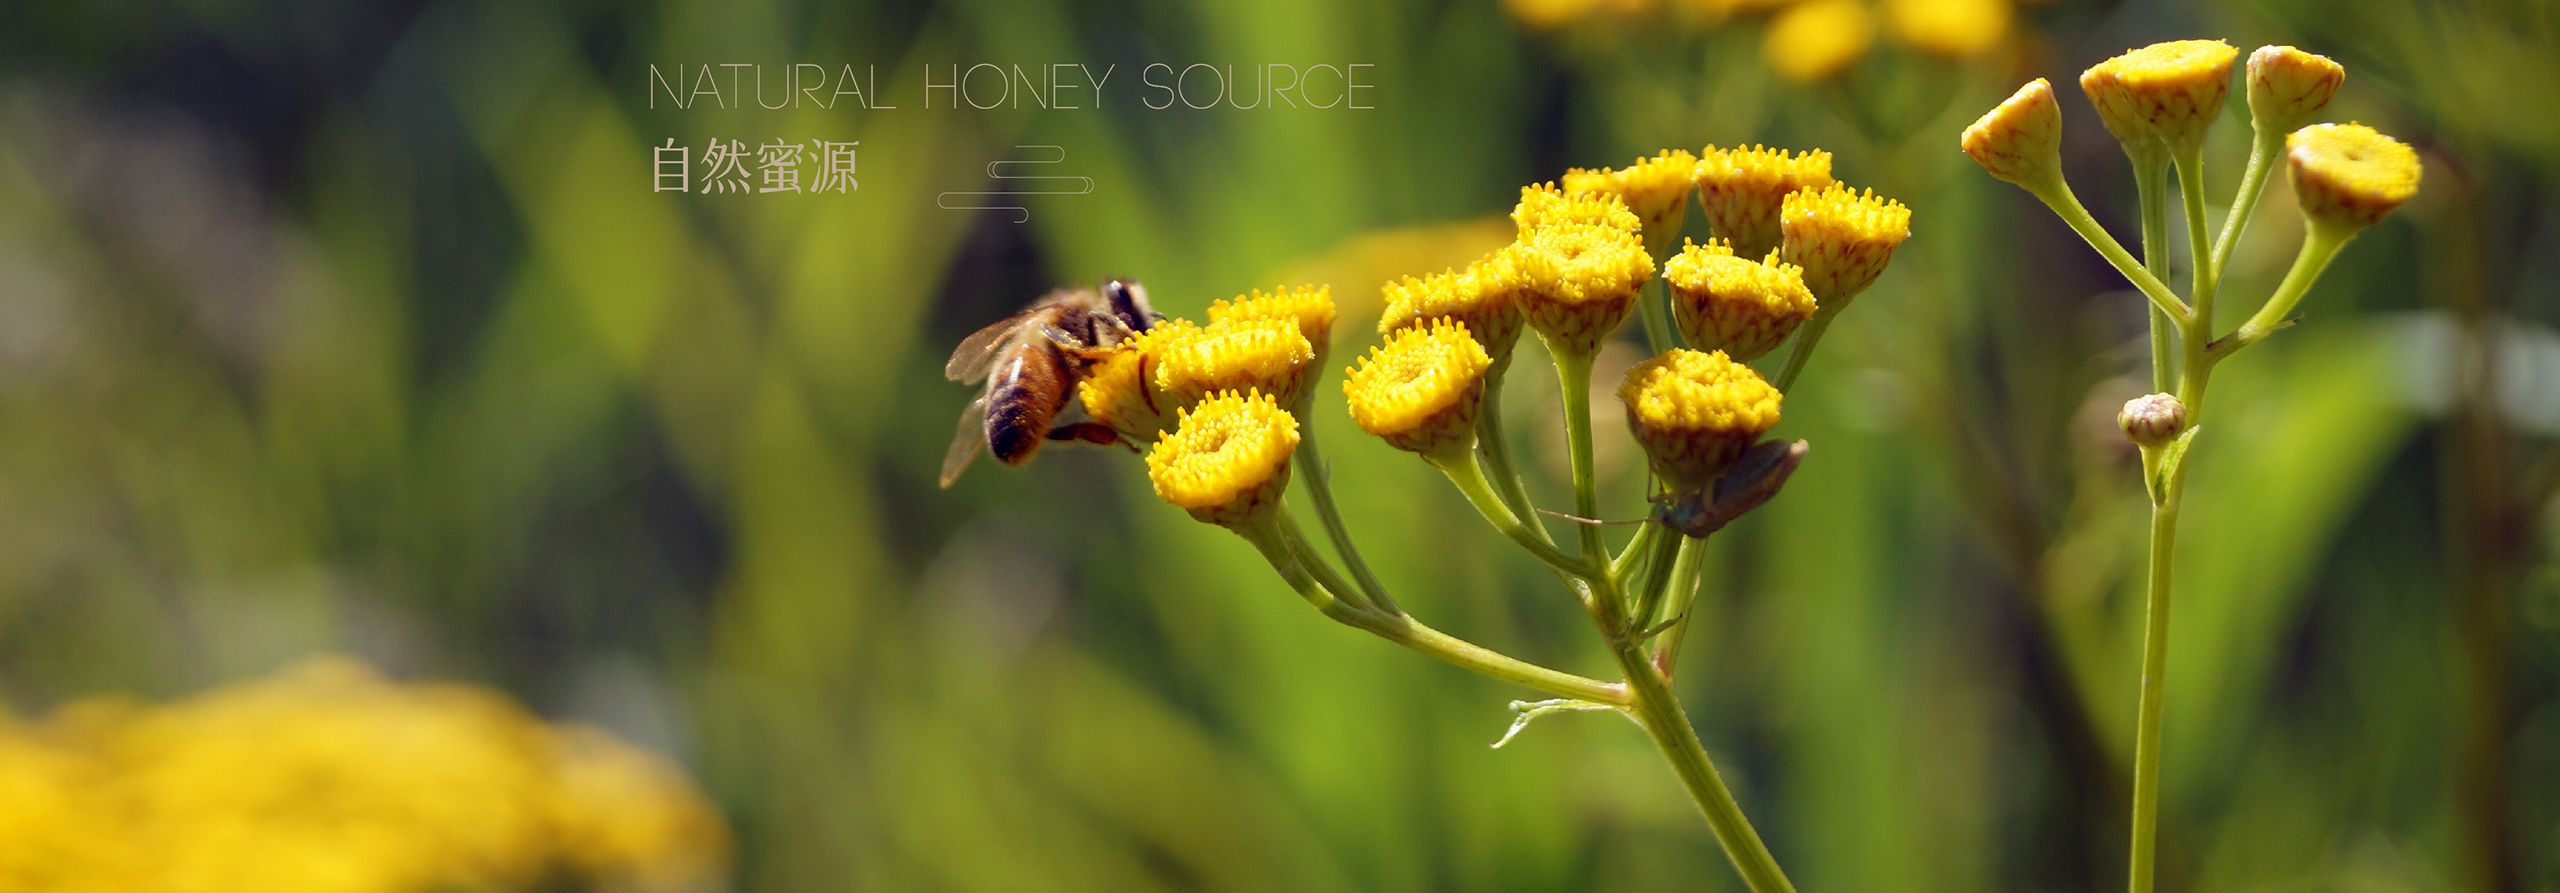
(356, 328)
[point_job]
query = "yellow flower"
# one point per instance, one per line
(1309, 306)
(1958, 28)
(1227, 460)
(2165, 94)
(1542, 205)
(1656, 189)
(1741, 190)
(1842, 238)
(2288, 86)
(1420, 391)
(629, 815)
(1578, 282)
(1695, 413)
(2347, 176)
(1741, 307)
(1140, 388)
(2021, 140)
(1481, 298)
(1815, 39)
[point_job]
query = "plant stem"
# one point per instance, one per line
(1496, 447)
(1683, 595)
(1463, 470)
(1318, 479)
(2263, 148)
(1803, 349)
(2320, 245)
(2150, 182)
(1573, 376)
(2057, 195)
(2202, 283)
(1654, 708)
(1653, 305)
(2155, 664)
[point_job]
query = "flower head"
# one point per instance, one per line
(1741, 191)
(1815, 39)
(1543, 204)
(1482, 298)
(1656, 189)
(2288, 86)
(1309, 306)
(2021, 140)
(1842, 238)
(1742, 307)
(1227, 460)
(2152, 420)
(1141, 386)
(1421, 389)
(1695, 413)
(2347, 176)
(2163, 95)
(1578, 282)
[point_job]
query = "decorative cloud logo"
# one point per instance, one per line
(1018, 177)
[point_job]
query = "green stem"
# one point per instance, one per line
(1573, 375)
(1806, 337)
(1681, 601)
(2319, 246)
(2151, 183)
(2057, 196)
(1654, 708)
(1496, 447)
(1318, 479)
(2202, 281)
(1653, 306)
(2155, 664)
(1660, 548)
(1461, 467)
(2263, 149)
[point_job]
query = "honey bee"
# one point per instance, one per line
(1031, 362)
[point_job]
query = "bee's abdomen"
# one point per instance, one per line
(1025, 401)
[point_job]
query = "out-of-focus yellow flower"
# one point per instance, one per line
(1656, 189)
(1420, 391)
(2165, 94)
(1543, 205)
(629, 815)
(1741, 307)
(1227, 460)
(1741, 190)
(2020, 141)
(1309, 306)
(1480, 298)
(1140, 388)
(1842, 238)
(1578, 282)
(1815, 39)
(1695, 413)
(327, 779)
(1956, 28)
(2348, 176)
(1551, 15)
(2288, 86)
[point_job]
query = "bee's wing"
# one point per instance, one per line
(967, 442)
(977, 353)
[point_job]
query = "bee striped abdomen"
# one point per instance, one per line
(1027, 395)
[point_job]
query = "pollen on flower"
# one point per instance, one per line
(1227, 460)
(1742, 307)
(1741, 190)
(2020, 141)
(2288, 86)
(1842, 238)
(2349, 175)
(1481, 298)
(1578, 282)
(1309, 306)
(1544, 204)
(1695, 412)
(1235, 354)
(1815, 39)
(1420, 390)
(2166, 93)
(1656, 189)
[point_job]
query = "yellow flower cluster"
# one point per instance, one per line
(1141, 386)
(1578, 281)
(1309, 307)
(1544, 204)
(1804, 40)
(329, 779)
(1227, 460)
(1695, 413)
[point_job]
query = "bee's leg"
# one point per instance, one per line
(1089, 432)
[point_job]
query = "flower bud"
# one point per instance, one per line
(2288, 86)
(1578, 282)
(1310, 307)
(1544, 204)
(1741, 191)
(2347, 176)
(1742, 307)
(2165, 94)
(1227, 460)
(1656, 189)
(2020, 141)
(1420, 391)
(1694, 413)
(1480, 297)
(2152, 420)
(1842, 239)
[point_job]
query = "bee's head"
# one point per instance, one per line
(1129, 303)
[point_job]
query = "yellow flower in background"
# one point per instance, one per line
(1578, 282)
(1842, 238)
(1656, 189)
(2165, 94)
(2288, 86)
(1816, 39)
(1227, 460)
(1482, 298)
(1741, 191)
(1544, 204)
(1742, 307)
(327, 778)
(2348, 176)
(1696, 412)
(1956, 28)
(1309, 306)
(1420, 391)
